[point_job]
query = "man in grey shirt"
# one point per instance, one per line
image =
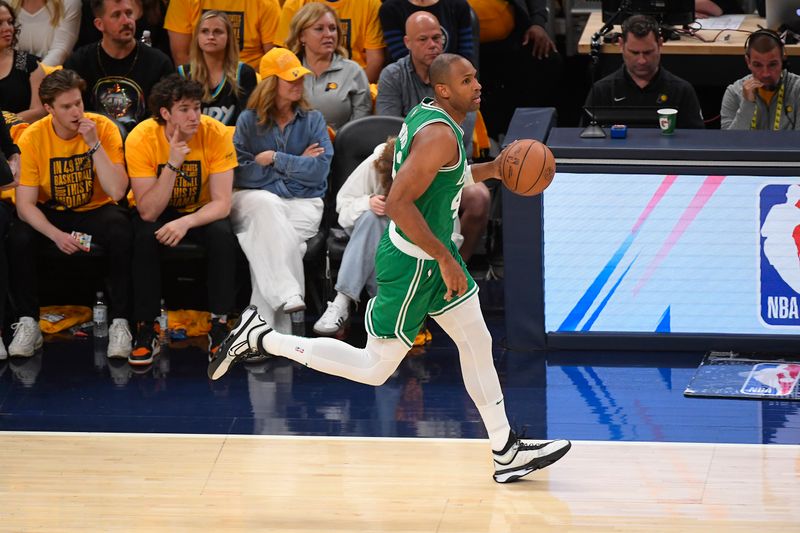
(768, 98)
(403, 84)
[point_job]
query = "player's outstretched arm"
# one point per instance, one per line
(488, 170)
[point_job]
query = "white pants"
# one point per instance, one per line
(272, 232)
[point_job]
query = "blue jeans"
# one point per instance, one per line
(358, 262)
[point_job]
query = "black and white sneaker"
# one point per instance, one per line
(524, 456)
(242, 342)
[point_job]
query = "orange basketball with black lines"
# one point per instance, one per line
(527, 167)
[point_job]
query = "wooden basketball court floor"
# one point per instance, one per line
(169, 482)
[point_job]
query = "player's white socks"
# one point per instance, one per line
(465, 325)
(372, 365)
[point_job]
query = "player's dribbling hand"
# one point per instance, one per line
(454, 278)
(499, 159)
(66, 243)
(178, 149)
(749, 88)
(88, 130)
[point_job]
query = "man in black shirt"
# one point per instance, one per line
(641, 81)
(119, 71)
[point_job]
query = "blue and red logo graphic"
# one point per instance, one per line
(772, 379)
(779, 213)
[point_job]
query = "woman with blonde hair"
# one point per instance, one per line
(48, 28)
(339, 87)
(214, 64)
(284, 154)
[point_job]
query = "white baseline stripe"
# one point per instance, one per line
(367, 439)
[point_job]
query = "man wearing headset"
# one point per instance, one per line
(768, 98)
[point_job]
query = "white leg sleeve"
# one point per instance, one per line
(371, 365)
(465, 325)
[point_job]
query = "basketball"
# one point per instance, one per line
(527, 167)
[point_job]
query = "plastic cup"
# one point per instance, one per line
(667, 118)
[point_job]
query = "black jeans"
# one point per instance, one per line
(6, 216)
(221, 251)
(109, 226)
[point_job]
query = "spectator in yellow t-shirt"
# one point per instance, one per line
(361, 32)
(72, 175)
(181, 166)
(254, 24)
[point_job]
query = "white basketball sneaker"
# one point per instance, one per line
(524, 456)
(243, 342)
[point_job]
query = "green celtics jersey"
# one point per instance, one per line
(439, 203)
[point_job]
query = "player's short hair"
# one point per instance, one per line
(640, 26)
(171, 89)
(439, 70)
(57, 82)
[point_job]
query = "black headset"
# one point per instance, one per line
(775, 36)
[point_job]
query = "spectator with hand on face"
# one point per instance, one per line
(72, 175)
(769, 97)
(181, 166)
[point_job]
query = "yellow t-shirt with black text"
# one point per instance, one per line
(254, 22)
(361, 27)
(212, 152)
(60, 168)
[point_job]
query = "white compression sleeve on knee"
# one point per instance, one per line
(371, 365)
(465, 325)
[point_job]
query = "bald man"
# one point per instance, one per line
(404, 84)
(420, 274)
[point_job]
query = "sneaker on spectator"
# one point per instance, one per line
(147, 345)
(27, 337)
(294, 304)
(332, 320)
(219, 330)
(119, 339)
(3, 352)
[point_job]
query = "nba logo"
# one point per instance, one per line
(779, 250)
(771, 379)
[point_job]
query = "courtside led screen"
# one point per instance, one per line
(654, 253)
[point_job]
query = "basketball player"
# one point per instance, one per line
(419, 273)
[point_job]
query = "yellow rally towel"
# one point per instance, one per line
(189, 323)
(55, 318)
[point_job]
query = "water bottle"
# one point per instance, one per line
(298, 323)
(163, 325)
(100, 316)
(146, 40)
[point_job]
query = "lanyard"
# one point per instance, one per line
(778, 110)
